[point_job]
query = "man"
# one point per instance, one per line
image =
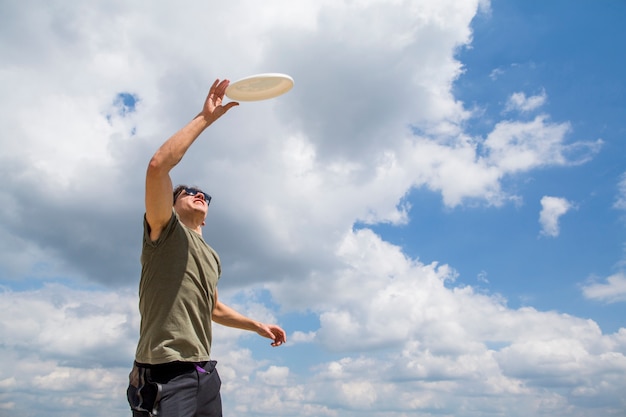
(173, 374)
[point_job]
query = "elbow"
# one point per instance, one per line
(163, 161)
(217, 314)
(157, 166)
(156, 163)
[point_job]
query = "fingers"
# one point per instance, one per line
(230, 105)
(274, 332)
(278, 342)
(219, 87)
(279, 336)
(213, 107)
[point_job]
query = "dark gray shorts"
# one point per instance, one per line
(176, 389)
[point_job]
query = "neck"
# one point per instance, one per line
(196, 228)
(194, 223)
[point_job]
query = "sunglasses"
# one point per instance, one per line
(195, 191)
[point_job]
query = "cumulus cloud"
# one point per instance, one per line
(327, 154)
(519, 102)
(417, 333)
(68, 347)
(611, 290)
(552, 208)
(91, 91)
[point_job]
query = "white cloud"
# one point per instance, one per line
(73, 347)
(519, 101)
(387, 317)
(407, 321)
(289, 178)
(274, 376)
(620, 200)
(612, 290)
(552, 208)
(517, 146)
(59, 320)
(495, 73)
(311, 169)
(302, 337)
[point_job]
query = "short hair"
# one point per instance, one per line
(179, 189)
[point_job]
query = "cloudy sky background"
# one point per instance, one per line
(435, 213)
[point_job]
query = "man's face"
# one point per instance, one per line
(192, 199)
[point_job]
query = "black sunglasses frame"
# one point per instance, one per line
(193, 191)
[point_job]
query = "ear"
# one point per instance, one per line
(203, 223)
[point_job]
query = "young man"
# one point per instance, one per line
(173, 375)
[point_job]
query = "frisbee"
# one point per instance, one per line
(259, 87)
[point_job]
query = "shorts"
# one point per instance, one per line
(175, 389)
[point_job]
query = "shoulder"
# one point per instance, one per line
(166, 232)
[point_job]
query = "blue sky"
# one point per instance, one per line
(569, 51)
(435, 213)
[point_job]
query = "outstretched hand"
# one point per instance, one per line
(213, 108)
(274, 332)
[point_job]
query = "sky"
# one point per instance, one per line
(435, 213)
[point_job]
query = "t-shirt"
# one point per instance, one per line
(176, 295)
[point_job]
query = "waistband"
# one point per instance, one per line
(171, 369)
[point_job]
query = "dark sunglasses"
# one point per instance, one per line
(193, 192)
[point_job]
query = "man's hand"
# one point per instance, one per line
(274, 332)
(213, 108)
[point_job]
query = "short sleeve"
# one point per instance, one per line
(167, 231)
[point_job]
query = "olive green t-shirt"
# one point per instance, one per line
(176, 295)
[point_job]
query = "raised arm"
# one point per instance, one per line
(158, 182)
(227, 316)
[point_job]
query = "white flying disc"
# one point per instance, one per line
(259, 87)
